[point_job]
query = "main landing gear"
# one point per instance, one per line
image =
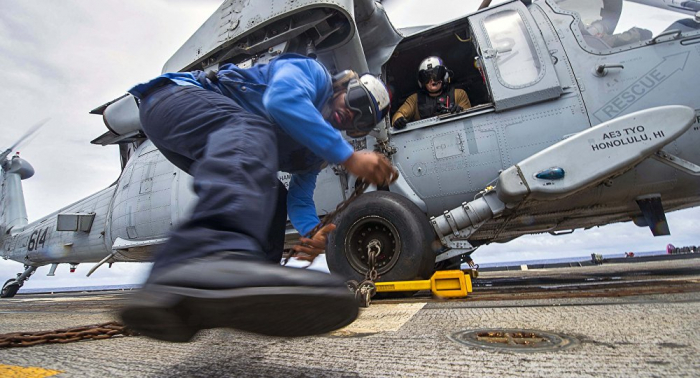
(11, 286)
(392, 227)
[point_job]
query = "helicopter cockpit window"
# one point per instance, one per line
(516, 58)
(611, 24)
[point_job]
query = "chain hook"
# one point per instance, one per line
(373, 250)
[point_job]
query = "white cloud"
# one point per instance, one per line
(65, 59)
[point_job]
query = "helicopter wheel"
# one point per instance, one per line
(391, 223)
(9, 289)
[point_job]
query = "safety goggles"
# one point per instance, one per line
(360, 101)
(436, 73)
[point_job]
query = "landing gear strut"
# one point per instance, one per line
(11, 286)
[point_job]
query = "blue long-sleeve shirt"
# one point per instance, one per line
(291, 92)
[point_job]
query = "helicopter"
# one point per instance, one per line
(578, 120)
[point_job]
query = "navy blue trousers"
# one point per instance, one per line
(232, 156)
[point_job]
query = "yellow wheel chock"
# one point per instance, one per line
(443, 284)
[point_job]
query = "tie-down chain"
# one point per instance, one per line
(365, 290)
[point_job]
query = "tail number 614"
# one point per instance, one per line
(37, 239)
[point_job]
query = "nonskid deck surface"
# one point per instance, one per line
(625, 320)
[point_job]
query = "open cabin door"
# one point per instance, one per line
(517, 65)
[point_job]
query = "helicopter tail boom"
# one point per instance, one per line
(14, 210)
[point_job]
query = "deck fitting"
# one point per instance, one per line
(514, 340)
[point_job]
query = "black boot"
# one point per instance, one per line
(235, 291)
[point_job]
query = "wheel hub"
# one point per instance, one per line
(375, 233)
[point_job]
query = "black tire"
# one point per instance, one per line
(389, 219)
(9, 289)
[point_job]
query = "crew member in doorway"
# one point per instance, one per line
(436, 95)
(233, 130)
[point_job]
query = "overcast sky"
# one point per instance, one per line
(62, 58)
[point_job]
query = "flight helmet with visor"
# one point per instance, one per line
(433, 68)
(368, 98)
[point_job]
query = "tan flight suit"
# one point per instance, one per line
(409, 109)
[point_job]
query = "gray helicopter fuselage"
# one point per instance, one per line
(542, 79)
(447, 161)
(150, 196)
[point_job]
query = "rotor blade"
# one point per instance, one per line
(32, 130)
(484, 4)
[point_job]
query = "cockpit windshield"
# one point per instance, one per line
(610, 24)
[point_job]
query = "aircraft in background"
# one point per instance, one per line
(580, 119)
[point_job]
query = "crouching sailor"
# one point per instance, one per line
(233, 131)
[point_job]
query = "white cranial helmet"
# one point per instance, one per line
(378, 90)
(369, 99)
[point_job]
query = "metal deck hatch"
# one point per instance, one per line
(514, 340)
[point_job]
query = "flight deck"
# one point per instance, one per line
(607, 320)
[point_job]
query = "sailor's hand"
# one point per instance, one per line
(400, 123)
(373, 167)
(309, 249)
(442, 109)
(455, 109)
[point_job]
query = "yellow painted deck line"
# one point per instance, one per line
(8, 371)
(380, 318)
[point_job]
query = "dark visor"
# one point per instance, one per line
(360, 101)
(436, 73)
